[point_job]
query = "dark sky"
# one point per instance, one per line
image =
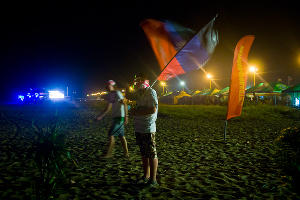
(84, 44)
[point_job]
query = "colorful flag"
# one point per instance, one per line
(175, 54)
(239, 77)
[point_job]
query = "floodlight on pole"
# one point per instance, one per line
(163, 84)
(209, 76)
(253, 69)
(182, 83)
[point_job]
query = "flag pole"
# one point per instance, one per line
(154, 81)
(225, 130)
(180, 50)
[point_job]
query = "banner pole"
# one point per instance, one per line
(225, 130)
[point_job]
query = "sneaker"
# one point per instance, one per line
(153, 184)
(142, 181)
(107, 156)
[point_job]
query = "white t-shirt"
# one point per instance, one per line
(115, 97)
(146, 123)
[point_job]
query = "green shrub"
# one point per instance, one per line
(50, 157)
(289, 155)
(290, 136)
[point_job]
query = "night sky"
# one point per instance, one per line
(81, 45)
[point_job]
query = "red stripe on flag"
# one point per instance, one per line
(160, 41)
(172, 70)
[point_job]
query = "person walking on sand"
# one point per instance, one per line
(117, 104)
(145, 115)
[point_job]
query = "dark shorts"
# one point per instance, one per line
(146, 142)
(117, 128)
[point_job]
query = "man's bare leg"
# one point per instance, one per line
(110, 147)
(146, 167)
(124, 145)
(153, 168)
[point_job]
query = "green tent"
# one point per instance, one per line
(254, 88)
(167, 94)
(224, 91)
(280, 87)
(275, 87)
(294, 92)
(203, 92)
(206, 92)
(293, 89)
(212, 91)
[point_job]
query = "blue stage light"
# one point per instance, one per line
(54, 94)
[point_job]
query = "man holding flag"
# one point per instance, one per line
(145, 115)
(176, 55)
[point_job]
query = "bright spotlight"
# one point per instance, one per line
(54, 94)
(182, 83)
(252, 69)
(162, 83)
(209, 76)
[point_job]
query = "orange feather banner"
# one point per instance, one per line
(238, 80)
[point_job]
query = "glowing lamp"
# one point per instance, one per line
(182, 83)
(56, 95)
(253, 69)
(162, 83)
(209, 76)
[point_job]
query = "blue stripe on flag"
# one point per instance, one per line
(198, 50)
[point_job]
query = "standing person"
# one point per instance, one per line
(145, 115)
(117, 104)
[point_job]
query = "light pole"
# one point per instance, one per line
(163, 84)
(209, 76)
(253, 69)
(182, 83)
